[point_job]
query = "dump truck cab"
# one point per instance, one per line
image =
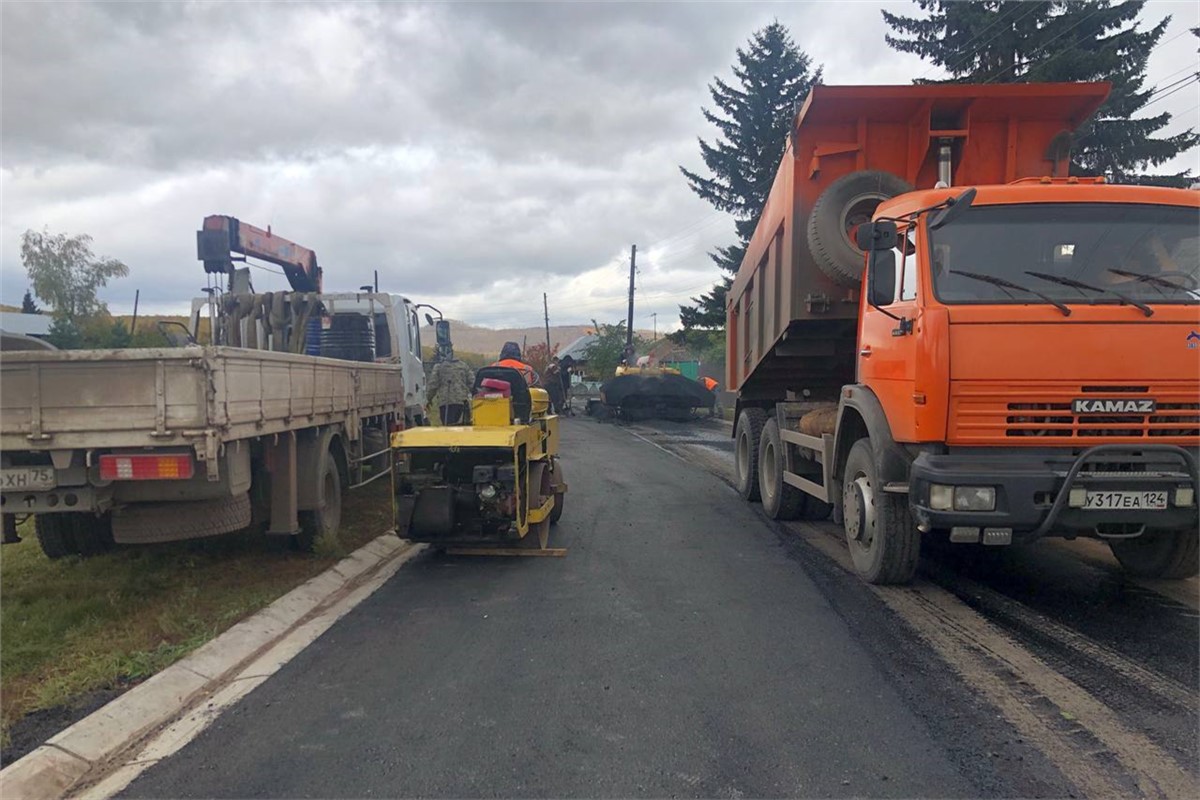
(1033, 357)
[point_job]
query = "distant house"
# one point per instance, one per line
(26, 324)
(577, 349)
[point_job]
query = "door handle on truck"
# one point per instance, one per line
(865, 352)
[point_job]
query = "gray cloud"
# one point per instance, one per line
(473, 153)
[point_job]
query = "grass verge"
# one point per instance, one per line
(73, 627)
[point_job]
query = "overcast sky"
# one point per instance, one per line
(476, 154)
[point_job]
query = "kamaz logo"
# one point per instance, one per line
(1106, 406)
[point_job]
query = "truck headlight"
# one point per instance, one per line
(974, 498)
(1185, 496)
(962, 498)
(941, 498)
(487, 491)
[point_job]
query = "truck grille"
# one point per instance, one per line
(1042, 414)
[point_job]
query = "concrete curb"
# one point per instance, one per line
(74, 757)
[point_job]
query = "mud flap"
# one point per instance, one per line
(404, 513)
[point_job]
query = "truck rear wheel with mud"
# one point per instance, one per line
(780, 499)
(73, 534)
(1159, 554)
(849, 202)
(326, 517)
(746, 443)
(884, 543)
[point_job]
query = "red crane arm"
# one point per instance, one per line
(221, 236)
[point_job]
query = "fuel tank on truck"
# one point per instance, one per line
(791, 312)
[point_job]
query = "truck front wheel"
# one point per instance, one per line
(746, 444)
(884, 544)
(1159, 554)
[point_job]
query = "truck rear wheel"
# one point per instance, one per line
(154, 523)
(73, 534)
(745, 462)
(847, 203)
(1159, 554)
(884, 543)
(326, 518)
(779, 499)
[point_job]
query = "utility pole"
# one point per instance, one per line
(629, 323)
(654, 316)
(546, 311)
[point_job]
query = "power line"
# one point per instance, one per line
(1176, 72)
(1043, 48)
(689, 231)
(1186, 30)
(1162, 89)
(1193, 79)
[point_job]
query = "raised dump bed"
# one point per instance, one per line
(793, 308)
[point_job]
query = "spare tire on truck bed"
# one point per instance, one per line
(849, 201)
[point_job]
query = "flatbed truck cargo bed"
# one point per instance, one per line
(200, 397)
(150, 445)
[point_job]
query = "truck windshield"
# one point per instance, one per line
(1068, 254)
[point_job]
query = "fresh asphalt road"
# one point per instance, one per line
(677, 650)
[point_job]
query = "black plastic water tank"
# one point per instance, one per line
(350, 337)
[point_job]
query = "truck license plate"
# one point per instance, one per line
(18, 478)
(1126, 501)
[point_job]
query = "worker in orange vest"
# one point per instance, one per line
(510, 356)
(711, 385)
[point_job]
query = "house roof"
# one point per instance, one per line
(27, 324)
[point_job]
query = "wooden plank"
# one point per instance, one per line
(549, 552)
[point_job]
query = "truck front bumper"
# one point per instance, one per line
(1038, 493)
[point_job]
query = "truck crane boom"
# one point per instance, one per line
(221, 236)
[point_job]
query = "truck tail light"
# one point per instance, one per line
(177, 466)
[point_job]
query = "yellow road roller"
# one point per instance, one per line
(493, 487)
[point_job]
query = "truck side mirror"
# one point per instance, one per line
(954, 210)
(873, 236)
(441, 331)
(881, 277)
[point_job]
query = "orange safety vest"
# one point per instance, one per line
(709, 383)
(531, 377)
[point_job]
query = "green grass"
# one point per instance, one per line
(73, 626)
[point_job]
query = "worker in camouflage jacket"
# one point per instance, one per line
(451, 381)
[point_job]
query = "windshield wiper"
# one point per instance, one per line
(1004, 284)
(1074, 284)
(1153, 280)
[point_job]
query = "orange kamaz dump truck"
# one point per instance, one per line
(937, 331)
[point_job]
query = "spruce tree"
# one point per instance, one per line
(1008, 41)
(754, 116)
(28, 306)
